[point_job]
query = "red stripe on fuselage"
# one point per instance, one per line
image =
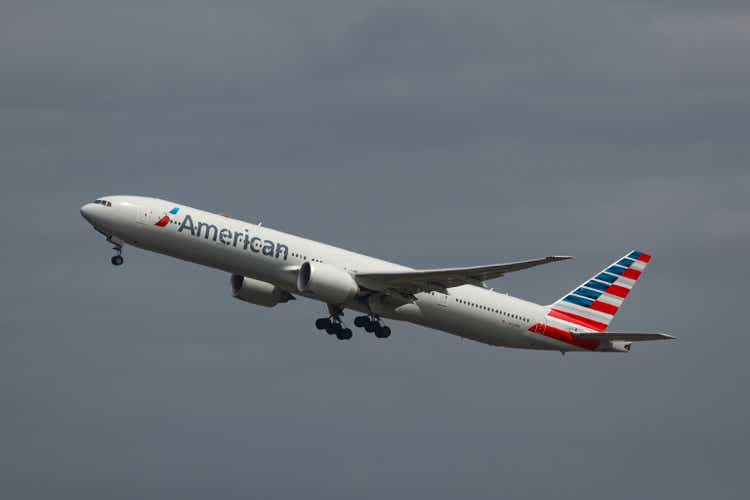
(644, 257)
(563, 336)
(163, 221)
(578, 320)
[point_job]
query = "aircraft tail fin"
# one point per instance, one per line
(592, 306)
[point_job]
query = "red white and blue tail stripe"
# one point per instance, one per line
(592, 306)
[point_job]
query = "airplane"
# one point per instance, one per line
(269, 267)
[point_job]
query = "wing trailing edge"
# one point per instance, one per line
(410, 282)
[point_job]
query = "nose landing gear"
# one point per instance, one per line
(116, 260)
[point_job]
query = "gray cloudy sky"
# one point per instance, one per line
(432, 133)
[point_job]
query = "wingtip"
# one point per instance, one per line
(560, 257)
(665, 336)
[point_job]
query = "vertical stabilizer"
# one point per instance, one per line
(592, 306)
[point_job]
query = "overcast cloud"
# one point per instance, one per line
(431, 133)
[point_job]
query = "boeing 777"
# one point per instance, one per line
(269, 267)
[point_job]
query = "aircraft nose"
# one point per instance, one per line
(87, 212)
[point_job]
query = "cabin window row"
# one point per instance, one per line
(490, 309)
(304, 257)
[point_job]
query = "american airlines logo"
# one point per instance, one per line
(236, 239)
(166, 220)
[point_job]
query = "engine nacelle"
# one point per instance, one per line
(258, 292)
(329, 283)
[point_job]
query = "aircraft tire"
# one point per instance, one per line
(361, 321)
(383, 332)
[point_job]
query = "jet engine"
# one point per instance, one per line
(329, 283)
(258, 292)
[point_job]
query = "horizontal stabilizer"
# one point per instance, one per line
(622, 336)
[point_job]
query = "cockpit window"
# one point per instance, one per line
(103, 202)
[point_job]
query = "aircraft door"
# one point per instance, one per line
(541, 327)
(144, 215)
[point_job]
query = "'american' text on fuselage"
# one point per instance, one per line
(241, 239)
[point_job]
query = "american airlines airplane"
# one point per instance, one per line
(269, 267)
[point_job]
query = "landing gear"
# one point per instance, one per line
(333, 325)
(323, 323)
(382, 332)
(361, 321)
(338, 329)
(344, 334)
(116, 260)
(372, 324)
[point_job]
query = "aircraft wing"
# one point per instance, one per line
(408, 283)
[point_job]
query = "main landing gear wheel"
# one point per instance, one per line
(344, 334)
(323, 323)
(339, 331)
(117, 260)
(382, 332)
(333, 325)
(361, 321)
(372, 324)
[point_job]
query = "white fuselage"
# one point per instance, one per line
(265, 254)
